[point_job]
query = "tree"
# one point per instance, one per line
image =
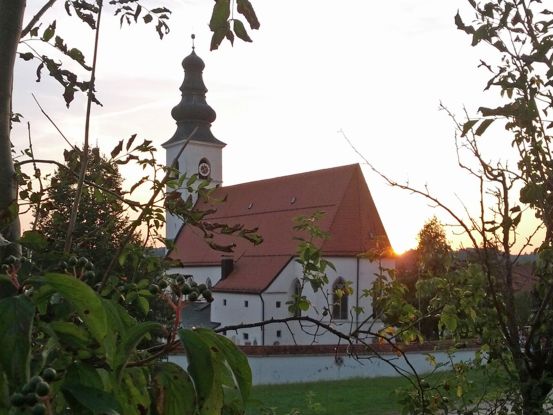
(101, 216)
(432, 258)
(483, 294)
(433, 249)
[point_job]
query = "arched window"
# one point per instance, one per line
(208, 283)
(296, 294)
(339, 300)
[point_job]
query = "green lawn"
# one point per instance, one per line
(349, 397)
(346, 397)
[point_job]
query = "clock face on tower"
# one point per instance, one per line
(204, 169)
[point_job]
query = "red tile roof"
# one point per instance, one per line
(271, 205)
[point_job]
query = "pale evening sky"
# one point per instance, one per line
(376, 70)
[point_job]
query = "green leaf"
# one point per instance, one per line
(220, 15)
(129, 390)
(119, 321)
(96, 400)
(82, 299)
(240, 30)
(71, 334)
(200, 364)
(467, 126)
(33, 240)
(131, 339)
(143, 305)
(6, 287)
(174, 390)
(4, 393)
(49, 32)
(484, 126)
(16, 323)
(234, 357)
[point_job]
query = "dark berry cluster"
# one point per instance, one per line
(34, 394)
(81, 267)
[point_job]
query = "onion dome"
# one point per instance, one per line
(193, 110)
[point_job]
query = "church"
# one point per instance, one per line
(255, 283)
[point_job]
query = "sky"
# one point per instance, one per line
(316, 70)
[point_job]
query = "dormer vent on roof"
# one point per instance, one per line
(193, 110)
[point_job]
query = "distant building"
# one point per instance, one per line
(255, 283)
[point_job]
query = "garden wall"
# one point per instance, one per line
(291, 364)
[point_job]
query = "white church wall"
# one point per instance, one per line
(230, 309)
(358, 271)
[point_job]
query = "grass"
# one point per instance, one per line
(348, 397)
(345, 397)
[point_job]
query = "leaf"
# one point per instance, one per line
(71, 334)
(26, 56)
(240, 30)
(96, 400)
(33, 240)
(82, 298)
(119, 321)
(174, 390)
(217, 38)
(143, 305)
(16, 323)
(234, 357)
(200, 365)
(130, 341)
(245, 8)
(117, 149)
(484, 126)
(6, 287)
(49, 32)
(220, 15)
(130, 141)
(137, 12)
(467, 126)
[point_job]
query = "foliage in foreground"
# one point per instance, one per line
(78, 351)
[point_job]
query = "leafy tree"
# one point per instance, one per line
(433, 249)
(101, 217)
(431, 259)
(481, 299)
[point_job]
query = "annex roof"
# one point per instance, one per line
(341, 193)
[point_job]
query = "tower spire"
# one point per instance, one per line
(193, 110)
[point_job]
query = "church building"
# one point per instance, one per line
(256, 283)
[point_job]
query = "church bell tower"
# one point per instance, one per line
(203, 154)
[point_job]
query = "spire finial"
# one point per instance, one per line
(193, 36)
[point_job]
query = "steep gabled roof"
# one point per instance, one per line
(350, 216)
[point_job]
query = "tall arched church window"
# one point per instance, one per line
(208, 283)
(339, 299)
